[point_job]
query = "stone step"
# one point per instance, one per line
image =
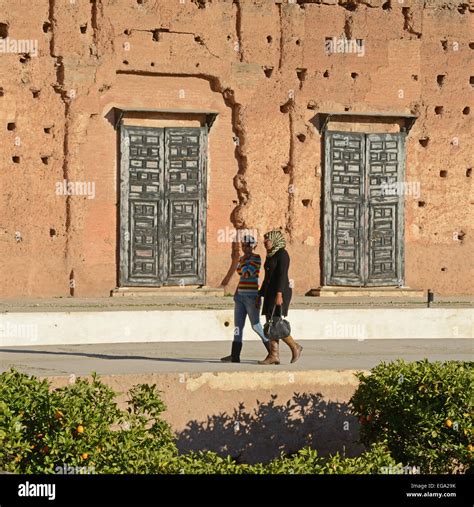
(168, 291)
(336, 291)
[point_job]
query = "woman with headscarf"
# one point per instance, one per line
(276, 291)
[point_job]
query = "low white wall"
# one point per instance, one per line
(66, 328)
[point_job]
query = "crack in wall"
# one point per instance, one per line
(280, 58)
(238, 28)
(408, 24)
(59, 89)
(289, 108)
(228, 96)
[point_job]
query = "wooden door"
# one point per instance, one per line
(363, 224)
(162, 206)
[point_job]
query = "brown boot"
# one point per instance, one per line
(296, 348)
(273, 356)
(267, 346)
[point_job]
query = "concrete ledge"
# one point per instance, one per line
(190, 290)
(372, 292)
(87, 327)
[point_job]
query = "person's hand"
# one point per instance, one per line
(258, 302)
(279, 299)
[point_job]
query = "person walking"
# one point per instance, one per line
(247, 302)
(276, 291)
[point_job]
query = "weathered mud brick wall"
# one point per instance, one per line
(263, 66)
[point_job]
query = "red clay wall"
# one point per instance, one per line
(246, 60)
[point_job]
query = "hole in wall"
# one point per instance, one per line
(350, 6)
(387, 5)
(140, 2)
(16, 159)
(444, 44)
(462, 9)
(35, 93)
(354, 75)
(226, 323)
(45, 160)
(421, 204)
(229, 37)
(2, 92)
(3, 30)
(268, 71)
(466, 110)
(52, 232)
(311, 105)
(326, 73)
(306, 202)
(440, 79)
(269, 39)
(11, 126)
(439, 109)
(152, 64)
(127, 31)
(301, 138)
(298, 42)
(301, 73)
(47, 130)
(468, 172)
(197, 64)
(471, 80)
(83, 28)
(46, 27)
(443, 174)
(461, 235)
(198, 39)
(286, 169)
(25, 58)
(125, 62)
(414, 77)
(443, 269)
(471, 45)
(424, 141)
(346, 108)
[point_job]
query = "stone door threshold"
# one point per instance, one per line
(337, 291)
(188, 290)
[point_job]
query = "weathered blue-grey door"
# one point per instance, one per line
(363, 209)
(163, 206)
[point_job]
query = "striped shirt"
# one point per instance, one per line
(249, 270)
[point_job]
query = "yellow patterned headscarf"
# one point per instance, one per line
(278, 240)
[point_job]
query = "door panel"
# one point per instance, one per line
(186, 205)
(385, 166)
(363, 224)
(344, 197)
(141, 205)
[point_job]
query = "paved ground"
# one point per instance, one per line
(73, 304)
(204, 356)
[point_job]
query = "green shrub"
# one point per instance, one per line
(422, 411)
(80, 426)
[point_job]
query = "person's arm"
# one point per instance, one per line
(281, 273)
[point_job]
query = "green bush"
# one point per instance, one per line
(422, 411)
(417, 414)
(80, 426)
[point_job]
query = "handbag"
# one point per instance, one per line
(277, 327)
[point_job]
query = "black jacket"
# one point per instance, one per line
(276, 280)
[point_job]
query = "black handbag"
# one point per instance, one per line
(277, 327)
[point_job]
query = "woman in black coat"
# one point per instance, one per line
(276, 292)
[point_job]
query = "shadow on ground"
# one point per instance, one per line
(268, 430)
